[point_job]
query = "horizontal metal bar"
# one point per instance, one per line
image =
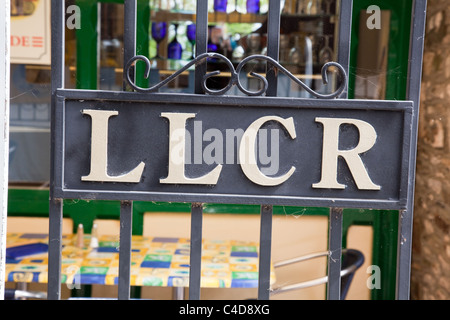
(300, 259)
(194, 99)
(228, 198)
(309, 283)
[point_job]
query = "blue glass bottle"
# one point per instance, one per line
(220, 5)
(158, 33)
(174, 50)
(191, 33)
(253, 6)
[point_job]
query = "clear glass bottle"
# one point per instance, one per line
(241, 6)
(264, 6)
(238, 51)
(296, 55)
(286, 6)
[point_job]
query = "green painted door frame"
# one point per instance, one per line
(87, 48)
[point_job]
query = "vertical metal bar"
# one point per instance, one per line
(201, 42)
(54, 249)
(142, 39)
(201, 46)
(265, 248)
(344, 36)
(335, 252)
(4, 134)
(126, 216)
(265, 245)
(196, 251)
(336, 214)
(55, 205)
(273, 44)
(418, 17)
(129, 39)
(126, 207)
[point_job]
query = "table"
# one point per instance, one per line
(155, 261)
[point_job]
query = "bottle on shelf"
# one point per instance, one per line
(264, 6)
(309, 7)
(297, 54)
(253, 6)
(286, 6)
(174, 49)
(94, 237)
(158, 33)
(80, 236)
(177, 5)
(253, 44)
(284, 47)
(326, 53)
(239, 6)
(191, 33)
(220, 5)
(238, 51)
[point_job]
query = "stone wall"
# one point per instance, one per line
(431, 234)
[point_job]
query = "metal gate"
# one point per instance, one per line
(66, 103)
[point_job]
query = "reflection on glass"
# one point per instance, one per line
(159, 30)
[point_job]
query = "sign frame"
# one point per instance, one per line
(201, 101)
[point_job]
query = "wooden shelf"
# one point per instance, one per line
(233, 17)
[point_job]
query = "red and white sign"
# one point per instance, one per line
(30, 32)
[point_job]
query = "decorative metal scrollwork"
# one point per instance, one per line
(234, 79)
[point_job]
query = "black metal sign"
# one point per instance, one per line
(251, 150)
